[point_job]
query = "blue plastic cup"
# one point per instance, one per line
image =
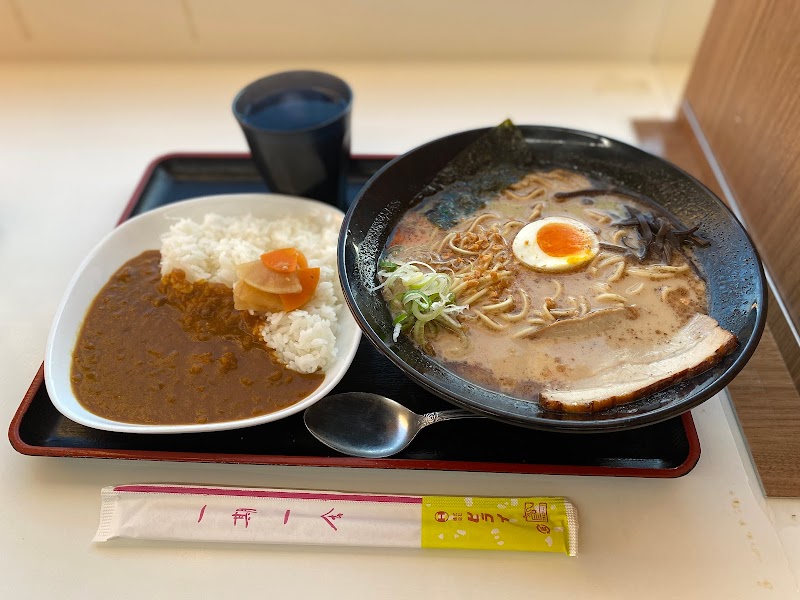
(297, 125)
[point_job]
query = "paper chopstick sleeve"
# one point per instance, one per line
(302, 517)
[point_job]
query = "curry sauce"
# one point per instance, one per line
(165, 351)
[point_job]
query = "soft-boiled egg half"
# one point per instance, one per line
(555, 244)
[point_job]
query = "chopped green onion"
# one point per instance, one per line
(418, 299)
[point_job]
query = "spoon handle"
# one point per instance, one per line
(446, 415)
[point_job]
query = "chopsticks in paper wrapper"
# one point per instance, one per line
(271, 516)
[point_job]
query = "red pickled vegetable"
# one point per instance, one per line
(284, 260)
(309, 278)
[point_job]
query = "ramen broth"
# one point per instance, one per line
(528, 328)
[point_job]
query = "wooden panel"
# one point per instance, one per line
(744, 93)
(765, 398)
(787, 344)
(768, 408)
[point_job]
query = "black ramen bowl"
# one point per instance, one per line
(730, 265)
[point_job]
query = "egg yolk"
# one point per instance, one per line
(560, 239)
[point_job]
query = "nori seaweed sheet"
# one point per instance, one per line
(491, 163)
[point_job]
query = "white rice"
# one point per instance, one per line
(304, 339)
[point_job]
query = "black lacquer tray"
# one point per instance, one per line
(667, 449)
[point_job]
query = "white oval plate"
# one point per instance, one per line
(143, 233)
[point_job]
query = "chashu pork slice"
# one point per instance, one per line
(696, 347)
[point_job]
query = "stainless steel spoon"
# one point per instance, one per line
(369, 425)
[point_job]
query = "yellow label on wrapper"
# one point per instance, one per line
(543, 524)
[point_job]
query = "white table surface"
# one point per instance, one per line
(74, 140)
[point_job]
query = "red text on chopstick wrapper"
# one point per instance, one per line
(245, 514)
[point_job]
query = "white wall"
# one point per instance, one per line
(636, 30)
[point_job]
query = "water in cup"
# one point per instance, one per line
(294, 110)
